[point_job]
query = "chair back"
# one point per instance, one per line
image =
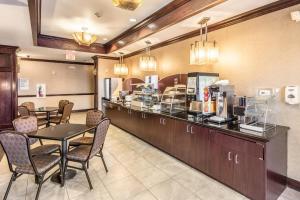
(29, 105)
(61, 105)
(26, 125)
(23, 111)
(94, 117)
(99, 136)
(67, 113)
(16, 148)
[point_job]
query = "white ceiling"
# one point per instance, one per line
(15, 26)
(63, 17)
(218, 13)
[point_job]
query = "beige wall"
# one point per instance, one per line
(59, 78)
(263, 52)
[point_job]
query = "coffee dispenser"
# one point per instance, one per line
(196, 83)
(223, 95)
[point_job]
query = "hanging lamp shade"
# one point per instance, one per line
(84, 38)
(121, 68)
(127, 4)
(148, 62)
(204, 52)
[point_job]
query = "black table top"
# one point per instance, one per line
(61, 132)
(44, 109)
(231, 128)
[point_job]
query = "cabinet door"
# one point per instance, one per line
(227, 165)
(164, 131)
(256, 171)
(182, 141)
(199, 148)
(240, 172)
(148, 127)
(214, 155)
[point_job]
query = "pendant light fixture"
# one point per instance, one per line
(127, 4)
(120, 68)
(148, 62)
(203, 52)
(84, 38)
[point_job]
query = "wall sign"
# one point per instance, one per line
(23, 84)
(40, 90)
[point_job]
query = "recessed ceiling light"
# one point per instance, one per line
(152, 26)
(105, 39)
(132, 20)
(121, 42)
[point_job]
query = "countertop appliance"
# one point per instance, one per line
(223, 95)
(196, 82)
(112, 86)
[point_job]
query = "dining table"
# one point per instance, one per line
(47, 110)
(62, 133)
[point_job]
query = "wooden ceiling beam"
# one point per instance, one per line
(68, 44)
(35, 18)
(169, 15)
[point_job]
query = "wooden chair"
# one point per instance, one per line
(82, 154)
(17, 149)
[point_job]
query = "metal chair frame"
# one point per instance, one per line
(39, 176)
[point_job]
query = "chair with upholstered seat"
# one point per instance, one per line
(65, 117)
(31, 106)
(24, 112)
(82, 154)
(93, 118)
(61, 105)
(29, 124)
(17, 149)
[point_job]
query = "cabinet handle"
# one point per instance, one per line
(236, 159)
(164, 121)
(188, 128)
(192, 132)
(229, 156)
(160, 120)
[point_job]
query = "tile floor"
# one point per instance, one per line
(137, 171)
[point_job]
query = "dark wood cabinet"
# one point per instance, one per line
(235, 160)
(8, 86)
(190, 144)
(162, 138)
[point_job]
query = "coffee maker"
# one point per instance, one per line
(196, 82)
(223, 95)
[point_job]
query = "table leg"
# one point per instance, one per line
(67, 173)
(48, 119)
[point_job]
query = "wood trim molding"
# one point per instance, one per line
(294, 184)
(106, 57)
(56, 95)
(83, 110)
(68, 44)
(56, 61)
(35, 18)
(172, 13)
(272, 7)
(96, 66)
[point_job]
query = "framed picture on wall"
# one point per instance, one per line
(23, 84)
(40, 90)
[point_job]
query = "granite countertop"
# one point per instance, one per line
(230, 128)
